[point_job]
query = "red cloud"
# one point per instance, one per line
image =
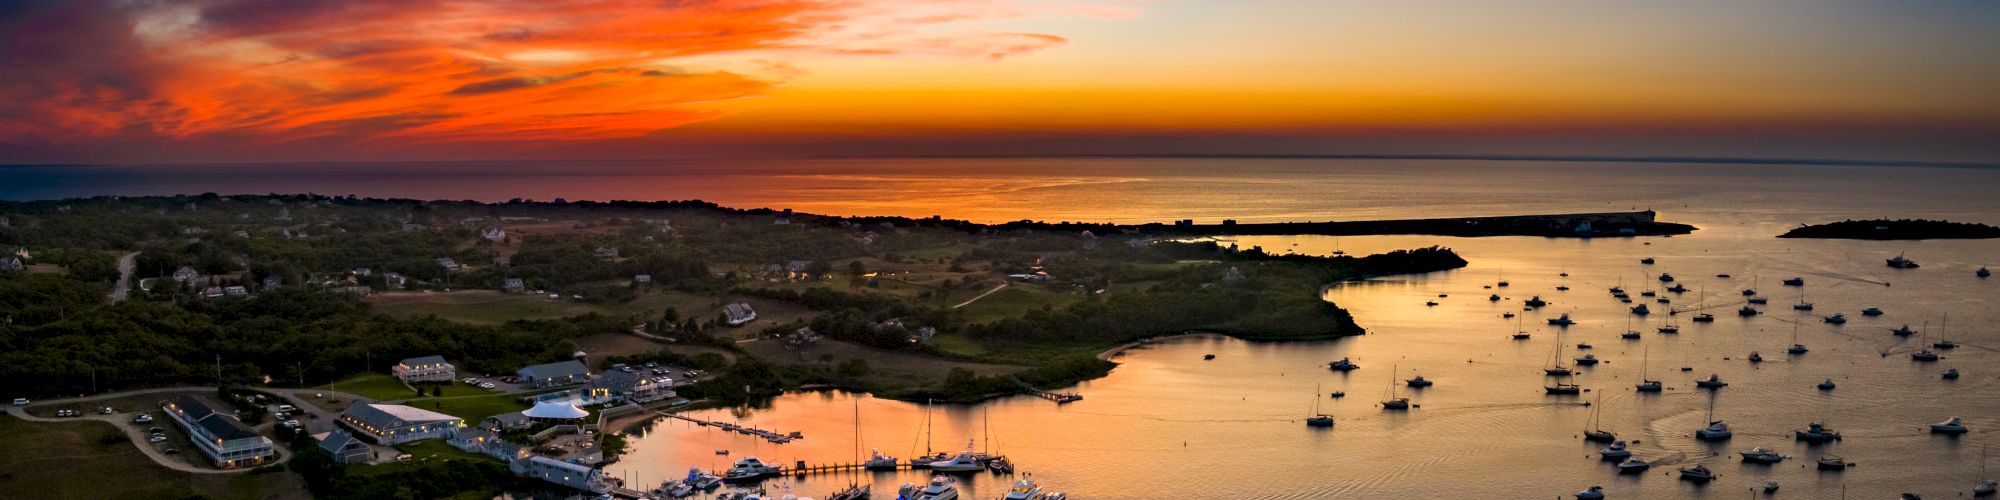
(426, 71)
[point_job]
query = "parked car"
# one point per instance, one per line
(403, 457)
(104, 411)
(488, 385)
(171, 451)
(157, 438)
(293, 424)
(20, 401)
(143, 418)
(287, 408)
(156, 430)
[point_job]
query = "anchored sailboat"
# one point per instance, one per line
(1647, 384)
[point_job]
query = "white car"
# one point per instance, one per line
(157, 438)
(488, 385)
(294, 424)
(287, 408)
(20, 401)
(143, 419)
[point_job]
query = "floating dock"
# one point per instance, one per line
(772, 436)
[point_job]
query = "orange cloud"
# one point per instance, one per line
(403, 72)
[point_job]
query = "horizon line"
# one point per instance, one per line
(1724, 160)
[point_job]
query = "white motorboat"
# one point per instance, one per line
(749, 468)
(1899, 262)
(1343, 365)
(880, 461)
(1712, 382)
(1950, 426)
(1592, 493)
(1633, 465)
(1617, 451)
(1025, 489)
(964, 461)
(1762, 455)
(1716, 431)
(1816, 433)
(1698, 473)
(1418, 382)
(941, 487)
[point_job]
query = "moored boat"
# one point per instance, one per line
(1633, 465)
(1951, 425)
(1698, 473)
(1761, 455)
(1343, 365)
(1816, 433)
(748, 469)
(1592, 493)
(1617, 451)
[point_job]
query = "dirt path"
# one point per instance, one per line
(981, 296)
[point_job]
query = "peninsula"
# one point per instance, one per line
(1899, 229)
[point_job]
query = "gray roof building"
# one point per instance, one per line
(557, 373)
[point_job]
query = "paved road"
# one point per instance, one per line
(136, 433)
(126, 265)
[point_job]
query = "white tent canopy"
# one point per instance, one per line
(553, 410)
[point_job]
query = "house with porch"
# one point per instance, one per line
(424, 369)
(224, 440)
(345, 448)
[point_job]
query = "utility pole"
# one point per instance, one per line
(218, 367)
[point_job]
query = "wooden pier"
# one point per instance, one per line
(772, 436)
(1058, 397)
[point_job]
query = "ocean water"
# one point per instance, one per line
(1166, 424)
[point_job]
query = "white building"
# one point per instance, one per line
(424, 369)
(563, 473)
(224, 440)
(397, 424)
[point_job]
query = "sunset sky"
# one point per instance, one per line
(170, 81)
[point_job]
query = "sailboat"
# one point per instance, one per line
(1716, 430)
(1336, 247)
(1924, 352)
(1702, 305)
(1796, 348)
(1647, 384)
(1673, 324)
(1989, 487)
(876, 460)
(1596, 432)
(1395, 403)
(1943, 330)
(1558, 369)
(1802, 305)
(1318, 419)
(1519, 332)
(1630, 334)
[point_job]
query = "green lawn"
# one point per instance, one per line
(86, 459)
(383, 387)
(488, 307)
(1014, 301)
(438, 449)
(473, 409)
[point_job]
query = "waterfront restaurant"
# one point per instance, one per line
(397, 424)
(227, 442)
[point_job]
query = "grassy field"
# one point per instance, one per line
(488, 307)
(383, 387)
(1014, 301)
(93, 460)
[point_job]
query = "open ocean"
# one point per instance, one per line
(1167, 424)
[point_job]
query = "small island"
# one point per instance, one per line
(1901, 229)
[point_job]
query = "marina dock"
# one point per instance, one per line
(1058, 397)
(772, 436)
